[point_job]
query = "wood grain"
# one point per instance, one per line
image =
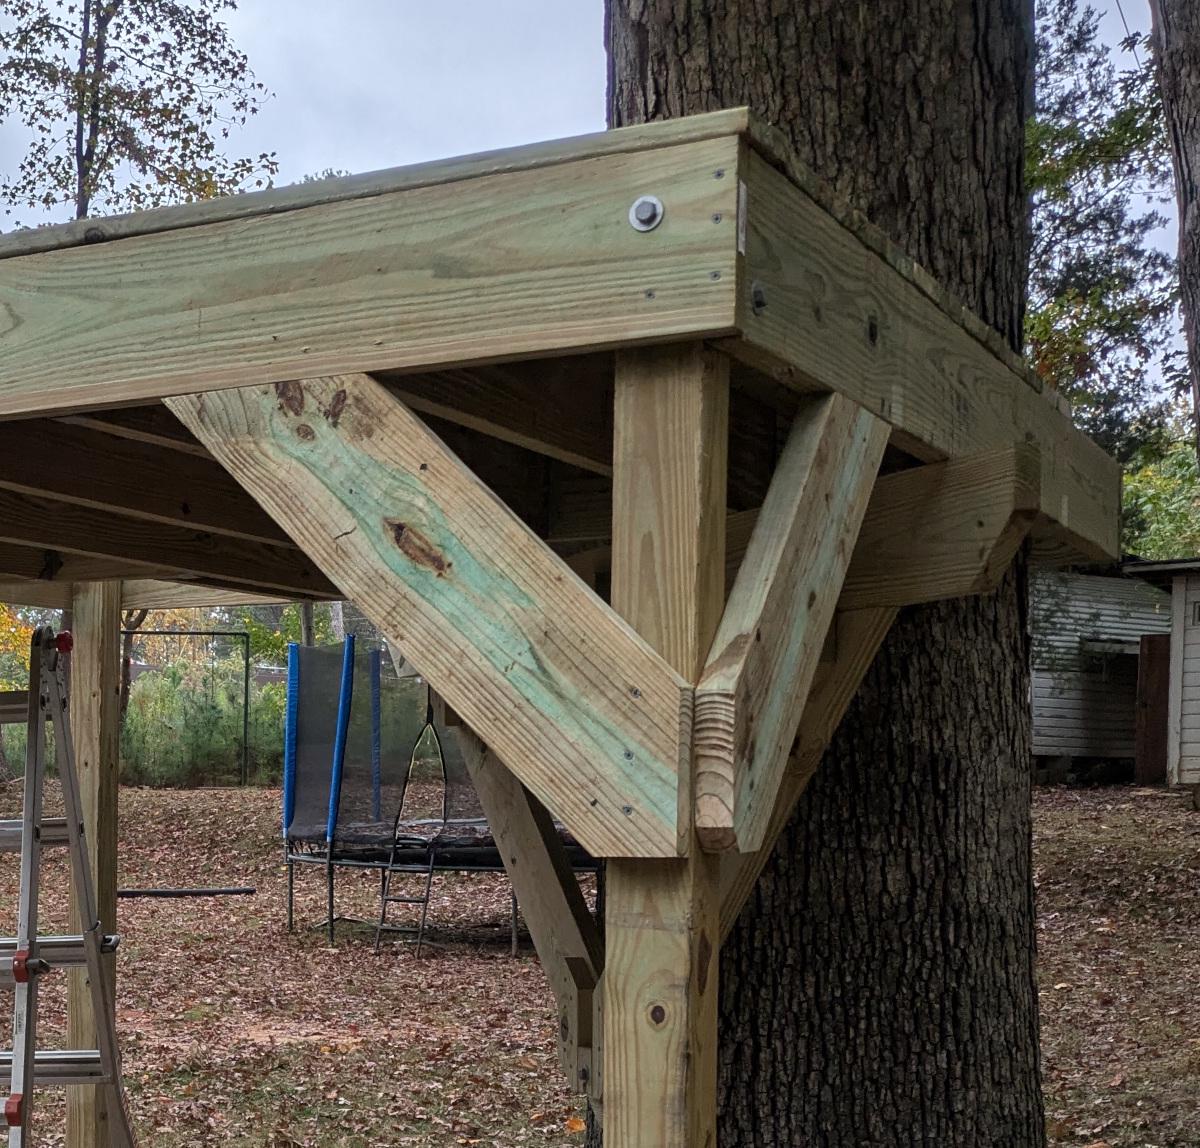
(341, 189)
(95, 731)
(586, 714)
(563, 931)
(134, 546)
(661, 917)
(521, 263)
(837, 317)
(88, 467)
(773, 629)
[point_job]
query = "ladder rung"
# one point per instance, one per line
(59, 1066)
(58, 952)
(54, 832)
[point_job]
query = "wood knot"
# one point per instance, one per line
(306, 432)
(658, 1015)
(417, 548)
(291, 396)
(336, 405)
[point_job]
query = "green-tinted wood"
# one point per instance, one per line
(582, 710)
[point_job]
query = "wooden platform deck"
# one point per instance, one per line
(628, 441)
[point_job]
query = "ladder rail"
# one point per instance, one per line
(24, 1028)
(22, 960)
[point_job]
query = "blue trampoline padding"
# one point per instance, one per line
(345, 697)
(291, 710)
(376, 747)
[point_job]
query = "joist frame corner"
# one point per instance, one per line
(775, 621)
(581, 708)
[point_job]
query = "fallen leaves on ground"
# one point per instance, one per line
(235, 1032)
(1118, 875)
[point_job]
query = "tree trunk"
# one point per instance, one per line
(1177, 50)
(879, 988)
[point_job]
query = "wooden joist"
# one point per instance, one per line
(590, 718)
(88, 467)
(51, 570)
(944, 530)
(563, 931)
(527, 254)
(773, 629)
(141, 546)
(158, 594)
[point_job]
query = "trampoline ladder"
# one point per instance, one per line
(25, 958)
(386, 898)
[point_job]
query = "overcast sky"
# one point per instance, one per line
(365, 84)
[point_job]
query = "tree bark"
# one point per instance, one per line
(1177, 51)
(879, 988)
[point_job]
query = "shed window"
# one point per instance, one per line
(1196, 613)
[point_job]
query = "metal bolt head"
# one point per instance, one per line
(646, 213)
(758, 298)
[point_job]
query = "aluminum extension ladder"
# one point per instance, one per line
(27, 956)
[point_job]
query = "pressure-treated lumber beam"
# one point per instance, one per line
(563, 931)
(833, 314)
(859, 635)
(129, 543)
(506, 265)
(770, 638)
(661, 922)
(944, 530)
(561, 408)
(89, 467)
(947, 530)
(591, 719)
(47, 568)
(158, 594)
(95, 730)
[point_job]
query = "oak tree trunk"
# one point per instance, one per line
(1177, 50)
(879, 988)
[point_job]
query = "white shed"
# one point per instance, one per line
(1182, 578)
(1086, 632)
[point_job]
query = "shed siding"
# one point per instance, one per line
(1083, 703)
(1187, 711)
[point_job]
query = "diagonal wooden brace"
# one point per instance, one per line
(770, 638)
(565, 935)
(580, 707)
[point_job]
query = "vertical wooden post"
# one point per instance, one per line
(95, 728)
(662, 917)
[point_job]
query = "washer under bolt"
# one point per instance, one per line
(646, 213)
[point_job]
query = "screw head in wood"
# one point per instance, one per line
(646, 213)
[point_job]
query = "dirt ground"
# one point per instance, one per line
(235, 1033)
(1118, 873)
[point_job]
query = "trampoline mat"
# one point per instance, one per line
(467, 840)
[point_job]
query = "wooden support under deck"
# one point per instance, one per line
(564, 934)
(662, 917)
(489, 297)
(95, 728)
(773, 629)
(580, 707)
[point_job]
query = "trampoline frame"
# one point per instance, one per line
(394, 853)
